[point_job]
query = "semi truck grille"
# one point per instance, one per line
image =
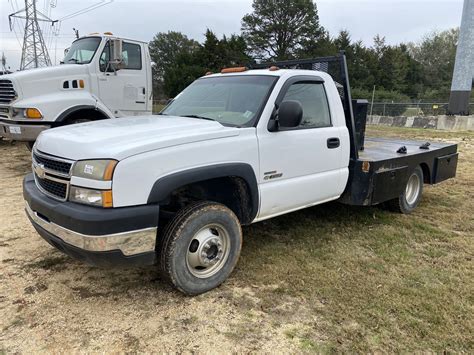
(52, 175)
(7, 92)
(59, 166)
(54, 188)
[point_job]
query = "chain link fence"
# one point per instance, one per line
(410, 109)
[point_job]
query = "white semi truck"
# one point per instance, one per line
(232, 149)
(101, 77)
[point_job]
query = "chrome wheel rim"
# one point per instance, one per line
(208, 251)
(413, 189)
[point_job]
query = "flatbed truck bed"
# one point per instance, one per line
(381, 170)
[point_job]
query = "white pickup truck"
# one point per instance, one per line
(101, 77)
(232, 149)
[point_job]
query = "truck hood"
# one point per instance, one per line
(123, 137)
(30, 82)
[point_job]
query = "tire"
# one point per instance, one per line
(411, 196)
(200, 247)
(29, 145)
(79, 120)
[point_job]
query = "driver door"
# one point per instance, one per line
(301, 166)
(124, 91)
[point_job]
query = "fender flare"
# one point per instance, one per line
(163, 187)
(77, 108)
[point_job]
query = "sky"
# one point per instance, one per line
(399, 21)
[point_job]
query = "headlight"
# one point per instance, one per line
(95, 169)
(30, 112)
(91, 197)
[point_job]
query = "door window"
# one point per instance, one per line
(131, 57)
(312, 98)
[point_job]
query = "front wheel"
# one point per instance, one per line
(29, 145)
(411, 196)
(200, 247)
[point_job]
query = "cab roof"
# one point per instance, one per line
(277, 73)
(110, 35)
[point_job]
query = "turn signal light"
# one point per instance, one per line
(108, 33)
(33, 113)
(109, 170)
(107, 201)
(234, 70)
(81, 84)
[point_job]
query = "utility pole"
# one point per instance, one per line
(464, 66)
(34, 53)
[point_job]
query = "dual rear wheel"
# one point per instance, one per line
(411, 196)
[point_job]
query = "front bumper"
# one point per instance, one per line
(21, 131)
(100, 237)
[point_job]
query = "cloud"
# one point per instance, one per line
(398, 21)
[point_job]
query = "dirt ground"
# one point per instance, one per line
(328, 278)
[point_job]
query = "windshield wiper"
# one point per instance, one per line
(73, 59)
(200, 117)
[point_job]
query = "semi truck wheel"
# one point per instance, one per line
(200, 247)
(411, 196)
(30, 145)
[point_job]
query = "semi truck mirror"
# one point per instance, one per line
(116, 52)
(290, 114)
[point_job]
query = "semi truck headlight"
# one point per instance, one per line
(102, 170)
(91, 197)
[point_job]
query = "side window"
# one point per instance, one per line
(312, 97)
(131, 55)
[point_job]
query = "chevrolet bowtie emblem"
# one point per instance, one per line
(39, 170)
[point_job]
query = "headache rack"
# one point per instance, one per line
(335, 66)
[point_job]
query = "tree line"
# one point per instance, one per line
(290, 29)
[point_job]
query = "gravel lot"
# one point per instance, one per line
(308, 281)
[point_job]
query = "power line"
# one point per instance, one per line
(86, 9)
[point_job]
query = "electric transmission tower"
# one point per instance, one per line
(34, 53)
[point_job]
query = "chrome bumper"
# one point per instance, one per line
(27, 132)
(129, 243)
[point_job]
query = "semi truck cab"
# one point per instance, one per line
(101, 77)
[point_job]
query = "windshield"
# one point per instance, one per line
(82, 51)
(233, 100)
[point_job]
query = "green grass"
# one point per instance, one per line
(157, 108)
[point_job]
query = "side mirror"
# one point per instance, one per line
(116, 51)
(289, 115)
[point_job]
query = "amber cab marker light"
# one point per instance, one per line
(234, 70)
(33, 113)
(81, 84)
(209, 73)
(273, 68)
(108, 33)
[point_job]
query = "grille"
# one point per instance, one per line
(51, 164)
(54, 188)
(7, 92)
